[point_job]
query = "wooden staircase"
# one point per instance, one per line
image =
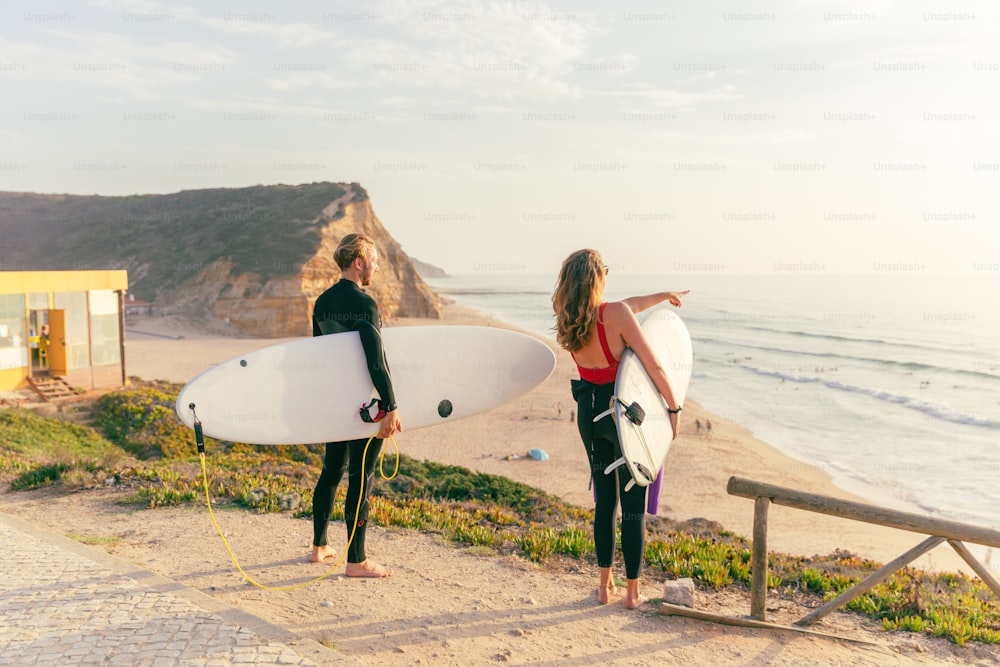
(52, 388)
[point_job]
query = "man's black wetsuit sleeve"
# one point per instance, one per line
(378, 368)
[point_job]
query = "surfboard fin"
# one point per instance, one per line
(604, 414)
(616, 464)
(646, 472)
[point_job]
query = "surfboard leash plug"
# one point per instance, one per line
(199, 436)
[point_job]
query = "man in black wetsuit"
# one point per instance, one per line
(346, 307)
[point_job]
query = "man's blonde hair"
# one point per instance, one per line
(350, 248)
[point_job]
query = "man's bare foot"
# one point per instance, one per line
(321, 554)
(367, 568)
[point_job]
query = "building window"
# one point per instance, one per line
(13, 342)
(75, 306)
(105, 344)
(38, 301)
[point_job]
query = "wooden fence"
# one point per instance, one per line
(938, 530)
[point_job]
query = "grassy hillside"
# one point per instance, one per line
(162, 240)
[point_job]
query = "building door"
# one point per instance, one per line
(57, 342)
(38, 339)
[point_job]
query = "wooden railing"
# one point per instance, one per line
(939, 530)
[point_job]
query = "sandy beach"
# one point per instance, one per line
(449, 605)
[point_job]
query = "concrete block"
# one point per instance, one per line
(679, 592)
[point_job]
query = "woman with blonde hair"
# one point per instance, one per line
(580, 314)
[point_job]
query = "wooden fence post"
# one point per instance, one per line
(939, 530)
(758, 560)
(976, 566)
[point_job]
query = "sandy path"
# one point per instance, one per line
(453, 606)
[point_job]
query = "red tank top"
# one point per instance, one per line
(607, 374)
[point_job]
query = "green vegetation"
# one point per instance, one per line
(95, 540)
(37, 451)
(140, 449)
(201, 226)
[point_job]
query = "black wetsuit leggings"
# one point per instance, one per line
(342, 456)
(601, 441)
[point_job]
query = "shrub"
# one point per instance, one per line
(143, 422)
(40, 476)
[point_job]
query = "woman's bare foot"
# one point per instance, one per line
(633, 599)
(321, 554)
(367, 568)
(606, 589)
(636, 601)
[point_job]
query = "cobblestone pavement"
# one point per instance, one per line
(63, 603)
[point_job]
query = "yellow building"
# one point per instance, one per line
(67, 324)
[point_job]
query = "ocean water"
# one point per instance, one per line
(889, 382)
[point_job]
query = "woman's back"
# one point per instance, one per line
(592, 354)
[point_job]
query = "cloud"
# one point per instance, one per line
(240, 20)
(500, 50)
(778, 137)
(265, 26)
(461, 50)
(135, 68)
(648, 94)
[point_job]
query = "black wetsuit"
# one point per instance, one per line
(346, 307)
(593, 394)
(603, 449)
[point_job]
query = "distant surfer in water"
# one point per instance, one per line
(580, 314)
(346, 307)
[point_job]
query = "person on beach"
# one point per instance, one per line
(347, 307)
(596, 334)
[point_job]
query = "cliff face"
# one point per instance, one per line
(255, 256)
(281, 306)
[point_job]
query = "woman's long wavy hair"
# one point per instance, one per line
(577, 298)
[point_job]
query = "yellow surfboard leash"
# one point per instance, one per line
(200, 440)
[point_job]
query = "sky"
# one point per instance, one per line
(719, 136)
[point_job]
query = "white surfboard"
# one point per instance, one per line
(311, 390)
(645, 444)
